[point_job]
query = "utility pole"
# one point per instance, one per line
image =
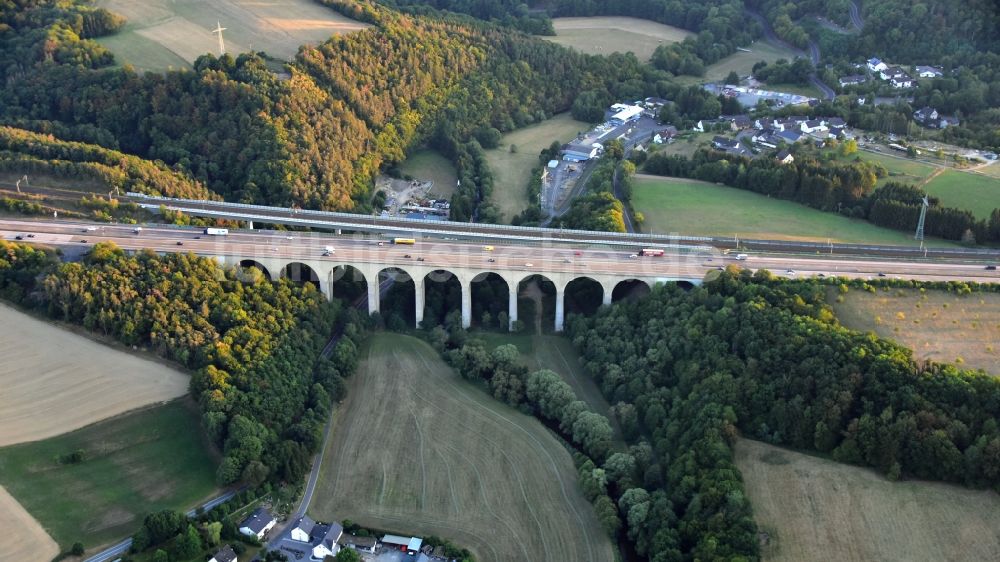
(919, 235)
(222, 44)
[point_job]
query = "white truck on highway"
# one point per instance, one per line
(217, 231)
(741, 257)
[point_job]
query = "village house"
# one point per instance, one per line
(785, 157)
(852, 80)
(319, 540)
(227, 554)
(876, 65)
(258, 523)
(929, 72)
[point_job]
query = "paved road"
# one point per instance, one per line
(856, 16)
(686, 263)
(121, 549)
(813, 54)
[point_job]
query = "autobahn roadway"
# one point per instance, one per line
(684, 263)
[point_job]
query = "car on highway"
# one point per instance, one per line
(880, 274)
(567, 260)
(420, 259)
(381, 243)
(90, 229)
(83, 240)
(488, 248)
(991, 268)
(31, 236)
(492, 260)
(19, 237)
(529, 264)
(577, 253)
(407, 256)
(179, 243)
(634, 257)
(289, 237)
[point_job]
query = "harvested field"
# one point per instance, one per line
(417, 449)
(55, 381)
(143, 461)
(512, 170)
(704, 209)
(604, 35)
(23, 538)
(937, 325)
(817, 510)
(163, 34)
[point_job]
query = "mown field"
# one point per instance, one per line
(975, 192)
(604, 35)
(163, 34)
(945, 327)
(901, 169)
(417, 449)
(742, 63)
(816, 510)
(703, 209)
(429, 165)
(55, 381)
(146, 460)
(512, 170)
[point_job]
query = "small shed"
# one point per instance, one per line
(414, 545)
(553, 164)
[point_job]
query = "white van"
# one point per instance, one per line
(741, 257)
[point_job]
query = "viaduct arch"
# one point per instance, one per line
(328, 271)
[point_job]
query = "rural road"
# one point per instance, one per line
(856, 16)
(813, 54)
(120, 549)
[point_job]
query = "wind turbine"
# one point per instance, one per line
(222, 44)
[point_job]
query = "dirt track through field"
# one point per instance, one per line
(416, 449)
(22, 537)
(55, 381)
(817, 510)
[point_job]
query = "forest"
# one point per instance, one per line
(751, 355)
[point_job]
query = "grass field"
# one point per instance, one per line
(699, 208)
(512, 171)
(23, 538)
(901, 169)
(935, 325)
(56, 381)
(139, 462)
(163, 34)
(975, 192)
(417, 449)
(430, 165)
(817, 510)
(742, 63)
(606, 35)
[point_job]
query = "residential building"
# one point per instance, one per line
(227, 554)
(318, 539)
(785, 157)
(790, 136)
(852, 80)
(258, 523)
(876, 65)
(813, 126)
(929, 72)
(361, 544)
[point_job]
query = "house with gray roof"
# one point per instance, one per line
(258, 523)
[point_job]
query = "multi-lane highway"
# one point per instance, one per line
(690, 263)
